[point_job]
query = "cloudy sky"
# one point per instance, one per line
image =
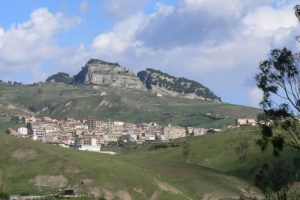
(218, 43)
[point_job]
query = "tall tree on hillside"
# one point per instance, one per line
(279, 79)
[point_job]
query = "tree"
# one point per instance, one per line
(279, 79)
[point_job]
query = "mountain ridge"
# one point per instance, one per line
(102, 73)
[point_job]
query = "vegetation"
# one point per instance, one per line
(204, 166)
(279, 79)
(118, 104)
(60, 77)
(182, 85)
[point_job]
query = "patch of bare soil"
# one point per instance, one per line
(101, 192)
(24, 154)
(211, 197)
(168, 188)
(50, 181)
(87, 186)
(108, 194)
(123, 195)
(154, 196)
(139, 190)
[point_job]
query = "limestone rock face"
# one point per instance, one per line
(98, 72)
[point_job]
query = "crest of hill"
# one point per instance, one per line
(60, 77)
(157, 80)
(98, 72)
(101, 73)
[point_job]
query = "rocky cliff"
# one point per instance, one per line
(98, 72)
(101, 73)
(163, 83)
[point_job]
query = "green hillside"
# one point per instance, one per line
(211, 170)
(60, 100)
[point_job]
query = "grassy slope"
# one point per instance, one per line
(217, 151)
(59, 101)
(209, 170)
(114, 173)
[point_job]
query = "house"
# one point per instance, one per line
(162, 138)
(87, 143)
(149, 137)
(23, 131)
(27, 120)
(38, 133)
(199, 131)
(173, 132)
(246, 122)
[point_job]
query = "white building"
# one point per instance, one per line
(173, 132)
(149, 137)
(81, 126)
(199, 131)
(89, 144)
(246, 122)
(38, 133)
(22, 131)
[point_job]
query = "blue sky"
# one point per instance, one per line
(218, 43)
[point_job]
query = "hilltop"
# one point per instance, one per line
(101, 73)
(98, 72)
(166, 84)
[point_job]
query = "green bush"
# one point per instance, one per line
(4, 195)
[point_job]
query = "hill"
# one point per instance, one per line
(60, 77)
(212, 169)
(60, 100)
(98, 72)
(102, 73)
(164, 83)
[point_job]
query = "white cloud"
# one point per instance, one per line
(26, 45)
(266, 21)
(255, 96)
(120, 39)
(193, 22)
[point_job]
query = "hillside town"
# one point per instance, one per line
(90, 134)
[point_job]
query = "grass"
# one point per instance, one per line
(60, 101)
(138, 173)
(212, 167)
(6, 123)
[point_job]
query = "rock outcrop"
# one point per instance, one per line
(165, 84)
(98, 72)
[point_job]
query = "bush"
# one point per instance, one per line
(4, 195)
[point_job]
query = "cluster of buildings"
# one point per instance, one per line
(90, 134)
(240, 122)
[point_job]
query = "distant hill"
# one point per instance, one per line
(101, 73)
(110, 91)
(157, 80)
(60, 100)
(60, 77)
